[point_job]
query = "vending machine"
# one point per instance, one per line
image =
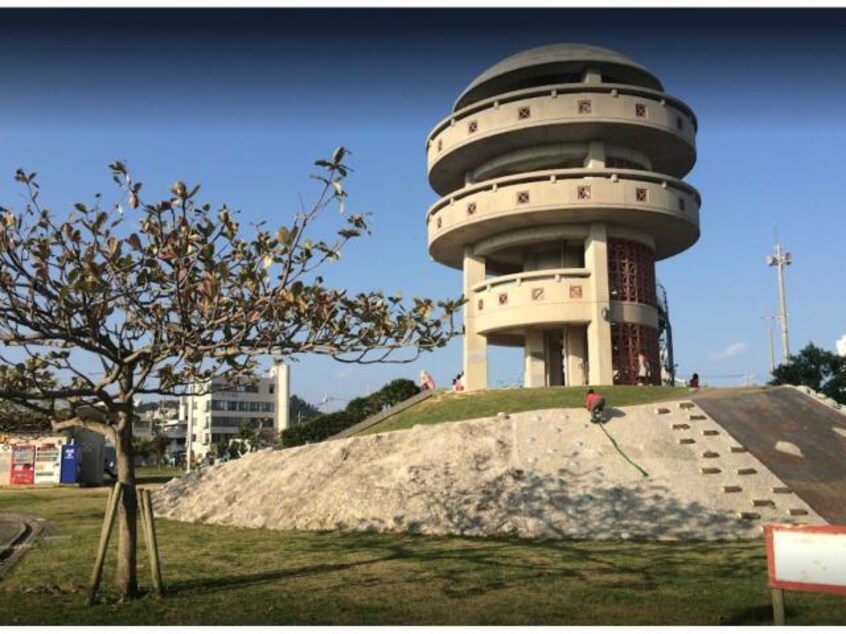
(23, 464)
(5, 463)
(70, 464)
(48, 463)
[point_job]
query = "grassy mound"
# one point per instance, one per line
(451, 406)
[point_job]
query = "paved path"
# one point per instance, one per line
(772, 423)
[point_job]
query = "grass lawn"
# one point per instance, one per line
(230, 576)
(451, 406)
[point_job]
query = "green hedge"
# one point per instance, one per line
(326, 425)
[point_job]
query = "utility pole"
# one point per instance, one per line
(769, 319)
(781, 259)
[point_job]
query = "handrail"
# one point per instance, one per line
(563, 174)
(558, 89)
(518, 278)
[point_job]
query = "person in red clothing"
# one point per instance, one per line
(595, 404)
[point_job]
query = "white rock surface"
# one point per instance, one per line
(543, 473)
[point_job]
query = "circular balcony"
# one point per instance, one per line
(506, 305)
(644, 120)
(665, 208)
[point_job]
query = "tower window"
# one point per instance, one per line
(679, 123)
(524, 113)
(440, 222)
(584, 106)
(480, 304)
(440, 144)
(682, 203)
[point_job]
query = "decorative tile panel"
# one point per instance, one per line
(503, 299)
(524, 113)
(472, 127)
(584, 106)
(471, 209)
(575, 292)
(641, 194)
(640, 110)
(583, 192)
(522, 198)
(537, 294)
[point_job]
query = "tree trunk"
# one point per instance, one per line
(127, 568)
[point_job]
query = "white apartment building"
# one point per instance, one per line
(217, 414)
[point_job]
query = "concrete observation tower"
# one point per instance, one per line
(559, 175)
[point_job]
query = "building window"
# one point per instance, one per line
(640, 110)
(641, 194)
(522, 198)
(472, 127)
(679, 123)
(524, 113)
(682, 203)
(272, 388)
(537, 294)
(584, 106)
(583, 192)
(440, 144)
(471, 209)
(480, 304)
(503, 299)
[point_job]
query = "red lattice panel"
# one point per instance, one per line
(631, 272)
(627, 341)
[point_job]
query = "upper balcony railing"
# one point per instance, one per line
(546, 297)
(664, 207)
(505, 123)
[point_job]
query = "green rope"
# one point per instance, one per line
(621, 452)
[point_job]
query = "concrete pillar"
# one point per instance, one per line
(554, 358)
(596, 155)
(599, 328)
(475, 346)
(282, 391)
(576, 346)
(534, 362)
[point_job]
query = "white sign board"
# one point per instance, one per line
(806, 557)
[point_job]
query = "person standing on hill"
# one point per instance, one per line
(644, 369)
(426, 381)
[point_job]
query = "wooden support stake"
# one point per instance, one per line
(778, 606)
(155, 562)
(105, 535)
(142, 513)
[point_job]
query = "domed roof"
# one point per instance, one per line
(512, 72)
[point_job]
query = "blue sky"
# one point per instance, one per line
(244, 102)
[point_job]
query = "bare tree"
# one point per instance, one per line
(164, 295)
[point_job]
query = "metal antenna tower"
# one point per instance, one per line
(781, 259)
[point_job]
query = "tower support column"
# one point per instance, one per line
(534, 359)
(600, 370)
(574, 342)
(475, 345)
